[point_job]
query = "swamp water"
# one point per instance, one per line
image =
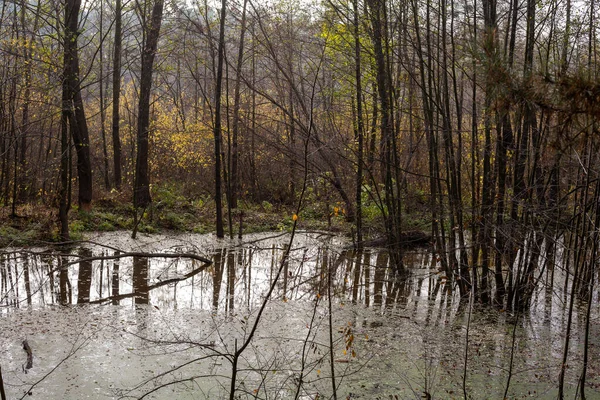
(164, 328)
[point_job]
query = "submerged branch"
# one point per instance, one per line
(154, 286)
(27, 349)
(143, 255)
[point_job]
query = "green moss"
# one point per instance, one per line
(172, 220)
(106, 226)
(144, 228)
(168, 196)
(266, 206)
(200, 229)
(9, 235)
(171, 210)
(77, 226)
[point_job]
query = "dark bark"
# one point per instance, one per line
(140, 280)
(234, 175)
(29, 353)
(474, 179)
(115, 281)
(490, 48)
(141, 189)
(379, 38)
(24, 163)
(217, 123)
(77, 120)
(360, 126)
(452, 181)
(103, 103)
(84, 277)
(64, 282)
(116, 95)
(2, 393)
(505, 138)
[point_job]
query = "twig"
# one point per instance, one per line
(2, 394)
(284, 260)
(164, 374)
(330, 330)
(304, 345)
(512, 355)
(137, 221)
(238, 352)
(464, 380)
(73, 350)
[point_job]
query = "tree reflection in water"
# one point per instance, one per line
(140, 280)
(413, 324)
(84, 278)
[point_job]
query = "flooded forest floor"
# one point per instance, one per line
(172, 212)
(103, 322)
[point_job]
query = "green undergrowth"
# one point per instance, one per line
(172, 211)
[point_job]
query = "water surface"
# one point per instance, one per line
(165, 327)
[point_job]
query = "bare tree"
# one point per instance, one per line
(77, 120)
(116, 94)
(217, 123)
(141, 193)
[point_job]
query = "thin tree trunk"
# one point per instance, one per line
(378, 23)
(77, 119)
(116, 95)
(234, 175)
(64, 203)
(141, 193)
(590, 288)
(217, 123)
(103, 102)
(359, 127)
(474, 178)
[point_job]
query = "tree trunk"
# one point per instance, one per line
(360, 128)
(234, 176)
(117, 95)
(379, 37)
(141, 190)
(217, 124)
(77, 119)
(103, 102)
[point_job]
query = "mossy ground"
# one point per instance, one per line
(172, 211)
(38, 223)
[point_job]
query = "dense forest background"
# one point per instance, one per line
(480, 115)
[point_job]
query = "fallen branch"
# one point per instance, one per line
(154, 286)
(27, 349)
(74, 348)
(196, 257)
(141, 254)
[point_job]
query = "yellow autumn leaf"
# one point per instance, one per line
(295, 217)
